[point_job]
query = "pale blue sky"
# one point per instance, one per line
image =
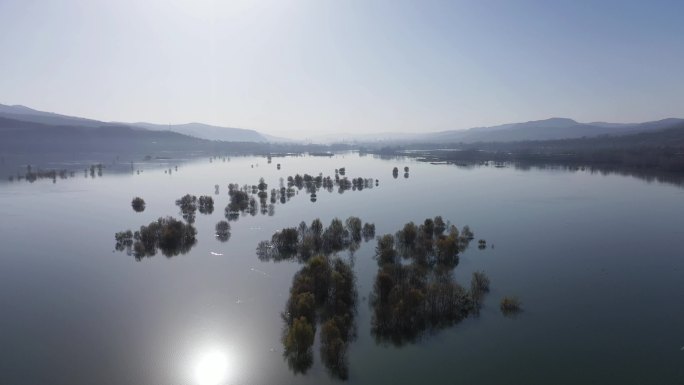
(299, 68)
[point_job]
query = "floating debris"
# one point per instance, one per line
(260, 272)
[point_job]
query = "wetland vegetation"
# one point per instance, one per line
(510, 306)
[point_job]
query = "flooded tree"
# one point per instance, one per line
(385, 251)
(239, 202)
(439, 225)
(297, 343)
(124, 240)
(206, 204)
(138, 204)
(368, 231)
(188, 207)
(467, 233)
(223, 231)
(335, 236)
(262, 186)
(286, 241)
(354, 226)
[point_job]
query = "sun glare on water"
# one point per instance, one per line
(212, 367)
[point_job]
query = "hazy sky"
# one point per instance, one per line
(296, 68)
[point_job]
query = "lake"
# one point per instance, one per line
(596, 259)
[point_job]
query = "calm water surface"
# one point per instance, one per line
(596, 260)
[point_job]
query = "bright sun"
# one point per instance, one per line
(212, 367)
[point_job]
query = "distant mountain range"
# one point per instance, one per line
(548, 129)
(14, 119)
(197, 130)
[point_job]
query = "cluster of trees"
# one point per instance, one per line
(138, 204)
(243, 199)
(312, 184)
(240, 202)
(169, 235)
(432, 242)
(414, 291)
(323, 292)
(188, 205)
(304, 241)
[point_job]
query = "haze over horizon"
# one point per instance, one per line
(316, 68)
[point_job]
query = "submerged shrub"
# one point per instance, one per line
(510, 306)
(479, 285)
(138, 204)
